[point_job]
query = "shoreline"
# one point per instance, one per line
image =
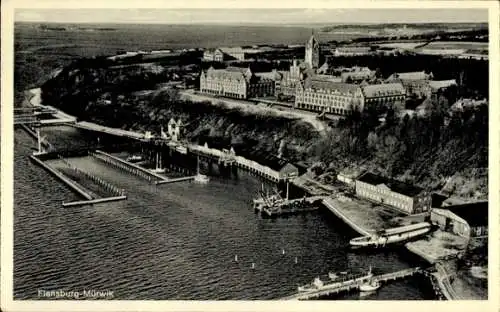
(362, 229)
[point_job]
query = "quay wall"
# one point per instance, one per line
(351, 223)
(95, 201)
(72, 184)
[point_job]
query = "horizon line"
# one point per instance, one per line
(253, 23)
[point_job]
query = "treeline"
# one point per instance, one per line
(85, 80)
(436, 26)
(422, 150)
(478, 35)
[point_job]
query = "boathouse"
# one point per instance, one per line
(466, 220)
(284, 168)
(404, 197)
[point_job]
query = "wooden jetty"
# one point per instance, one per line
(95, 201)
(347, 286)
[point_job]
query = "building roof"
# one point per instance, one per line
(440, 84)
(232, 73)
(393, 185)
(420, 75)
(274, 75)
(262, 157)
(327, 78)
(212, 50)
(383, 89)
(322, 83)
(357, 74)
(476, 214)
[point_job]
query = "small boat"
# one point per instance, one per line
(200, 178)
(391, 236)
(253, 265)
(337, 280)
(370, 286)
(296, 260)
(236, 258)
(181, 149)
(316, 284)
(333, 276)
(134, 158)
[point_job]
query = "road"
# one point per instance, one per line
(251, 107)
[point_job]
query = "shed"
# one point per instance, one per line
(468, 220)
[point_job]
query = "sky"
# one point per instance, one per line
(251, 16)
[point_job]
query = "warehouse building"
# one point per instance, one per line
(404, 197)
(466, 220)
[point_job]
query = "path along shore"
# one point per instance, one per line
(362, 216)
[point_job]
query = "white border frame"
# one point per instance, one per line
(6, 227)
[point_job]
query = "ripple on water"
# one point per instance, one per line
(175, 241)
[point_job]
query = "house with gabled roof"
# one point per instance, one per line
(236, 82)
(415, 83)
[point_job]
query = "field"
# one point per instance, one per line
(39, 52)
(457, 45)
(402, 45)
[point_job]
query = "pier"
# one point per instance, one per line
(90, 197)
(94, 201)
(350, 286)
(229, 158)
(113, 131)
(136, 170)
(31, 116)
(126, 166)
(72, 184)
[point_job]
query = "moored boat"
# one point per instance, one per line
(337, 280)
(134, 158)
(200, 178)
(391, 236)
(370, 286)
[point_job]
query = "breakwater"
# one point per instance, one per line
(106, 186)
(125, 166)
(69, 182)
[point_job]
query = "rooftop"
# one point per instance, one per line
(262, 157)
(439, 84)
(274, 75)
(476, 214)
(233, 73)
(357, 74)
(383, 89)
(421, 75)
(393, 185)
(327, 84)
